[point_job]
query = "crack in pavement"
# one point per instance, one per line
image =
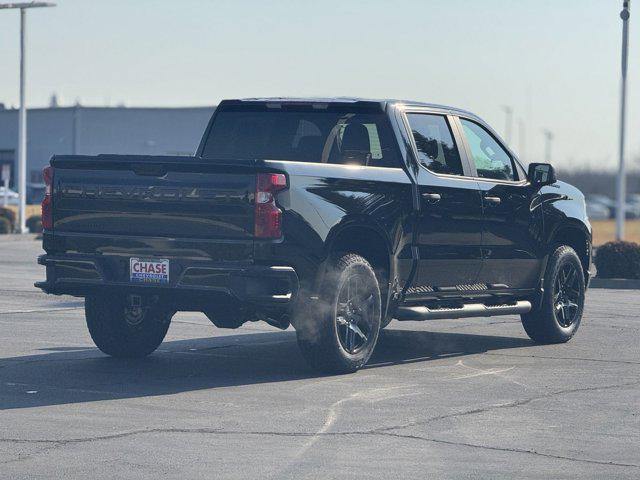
(55, 444)
(548, 357)
(514, 404)
(513, 450)
(384, 432)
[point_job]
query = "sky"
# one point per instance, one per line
(555, 63)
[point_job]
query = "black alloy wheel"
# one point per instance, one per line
(567, 295)
(354, 313)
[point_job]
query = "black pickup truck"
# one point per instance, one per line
(334, 216)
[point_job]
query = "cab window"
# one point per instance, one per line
(491, 160)
(435, 146)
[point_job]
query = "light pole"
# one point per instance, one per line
(508, 111)
(548, 138)
(522, 135)
(22, 116)
(622, 174)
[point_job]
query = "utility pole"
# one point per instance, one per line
(548, 138)
(22, 133)
(22, 115)
(522, 141)
(622, 174)
(508, 123)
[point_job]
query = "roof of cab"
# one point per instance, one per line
(319, 100)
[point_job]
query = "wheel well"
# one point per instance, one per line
(578, 240)
(369, 244)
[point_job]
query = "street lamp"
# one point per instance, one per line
(522, 137)
(622, 174)
(508, 123)
(22, 116)
(548, 138)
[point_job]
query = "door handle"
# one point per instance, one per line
(432, 197)
(494, 200)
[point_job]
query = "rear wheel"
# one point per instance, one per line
(123, 330)
(339, 337)
(558, 317)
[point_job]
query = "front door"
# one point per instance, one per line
(450, 216)
(512, 226)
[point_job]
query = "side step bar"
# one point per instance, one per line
(469, 310)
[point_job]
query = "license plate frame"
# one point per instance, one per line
(149, 270)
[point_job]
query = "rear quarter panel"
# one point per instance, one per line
(324, 199)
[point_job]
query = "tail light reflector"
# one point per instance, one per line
(47, 202)
(268, 217)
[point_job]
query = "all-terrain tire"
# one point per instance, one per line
(117, 334)
(550, 322)
(329, 335)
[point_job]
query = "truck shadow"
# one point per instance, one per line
(68, 375)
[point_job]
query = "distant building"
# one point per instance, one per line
(93, 130)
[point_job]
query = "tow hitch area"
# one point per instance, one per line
(133, 312)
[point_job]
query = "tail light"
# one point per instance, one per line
(47, 202)
(268, 219)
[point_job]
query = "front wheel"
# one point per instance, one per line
(558, 316)
(125, 331)
(340, 334)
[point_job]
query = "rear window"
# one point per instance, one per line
(304, 135)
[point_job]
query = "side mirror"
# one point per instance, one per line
(541, 174)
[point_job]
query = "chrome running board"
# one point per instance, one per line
(469, 310)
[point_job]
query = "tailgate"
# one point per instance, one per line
(172, 197)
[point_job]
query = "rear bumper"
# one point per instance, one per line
(262, 286)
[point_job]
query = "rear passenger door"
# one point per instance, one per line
(512, 227)
(450, 216)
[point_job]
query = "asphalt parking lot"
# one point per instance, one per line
(446, 399)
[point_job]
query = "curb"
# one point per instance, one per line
(615, 283)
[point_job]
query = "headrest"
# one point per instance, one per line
(356, 137)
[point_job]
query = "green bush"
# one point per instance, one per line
(9, 215)
(34, 224)
(618, 260)
(5, 226)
